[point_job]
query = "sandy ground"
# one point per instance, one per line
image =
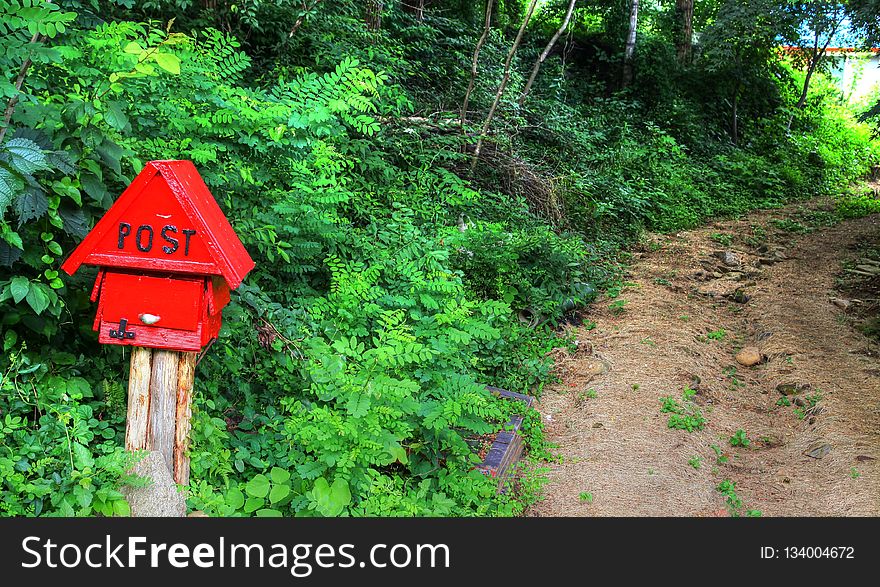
(617, 446)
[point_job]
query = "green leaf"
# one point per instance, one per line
(278, 493)
(340, 494)
(66, 510)
(114, 115)
(74, 220)
(279, 475)
(253, 504)
(26, 155)
(331, 500)
(111, 154)
(168, 62)
(8, 255)
(235, 498)
(121, 508)
(11, 237)
(133, 48)
(38, 299)
(269, 513)
(9, 186)
(82, 457)
(258, 486)
(63, 358)
(20, 286)
(397, 452)
(31, 205)
(83, 496)
(358, 405)
(80, 387)
(9, 340)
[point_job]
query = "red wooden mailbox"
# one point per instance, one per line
(168, 259)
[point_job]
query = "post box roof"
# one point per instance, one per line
(168, 198)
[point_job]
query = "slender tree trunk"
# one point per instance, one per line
(302, 17)
(374, 14)
(19, 80)
(684, 11)
(630, 44)
(816, 58)
(734, 124)
(802, 100)
(546, 52)
(482, 40)
(503, 86)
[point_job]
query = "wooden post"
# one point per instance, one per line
(159, 405)
(137, 419)
(185, 379)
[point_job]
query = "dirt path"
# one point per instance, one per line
(681, 326)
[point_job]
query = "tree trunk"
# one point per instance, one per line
(816, 58)
(630, 44)
(684, 12)
(503, 86)
(734, 126)
(802, 100)
(546, 52)
(301, 18)
(480, 42)
(19, 80)
(374, 14)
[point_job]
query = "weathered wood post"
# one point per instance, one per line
(160, 387)
(167, 259)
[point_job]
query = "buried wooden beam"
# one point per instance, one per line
(507, 448)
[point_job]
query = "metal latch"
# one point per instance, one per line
(122, 333)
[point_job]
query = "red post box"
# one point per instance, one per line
(168, 259)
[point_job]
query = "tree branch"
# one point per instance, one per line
(546, 52)
(10, 105)
(503, 85)
(302, 17)
(477, 49)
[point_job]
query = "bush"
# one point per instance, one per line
(391, 284)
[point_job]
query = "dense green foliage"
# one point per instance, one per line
(391, 284)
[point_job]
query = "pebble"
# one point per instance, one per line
(792, 388)
(818, 450)
(749, 356)
(841, 303)
(728, 258)
(596, 367)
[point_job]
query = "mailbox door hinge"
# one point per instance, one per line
(122, 333)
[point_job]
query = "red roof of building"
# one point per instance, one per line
(163, 195)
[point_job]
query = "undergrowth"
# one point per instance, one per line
(391, 283)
